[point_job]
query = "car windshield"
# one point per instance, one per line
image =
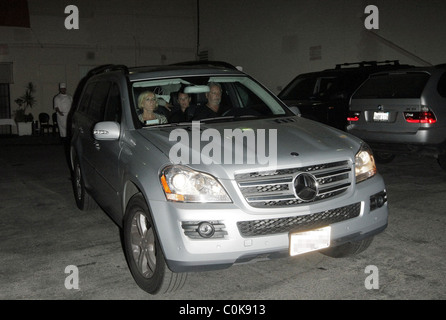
(203, 98)
(301, 88)
(306, 88)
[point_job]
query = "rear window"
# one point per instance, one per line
(393, 86)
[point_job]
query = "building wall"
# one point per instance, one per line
(131, 32)
(274, 40)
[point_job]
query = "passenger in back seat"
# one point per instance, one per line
(185, 111)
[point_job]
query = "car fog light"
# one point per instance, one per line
(378, 200)
(206, 230)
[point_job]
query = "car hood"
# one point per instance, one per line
(277, 143)
(301, 102)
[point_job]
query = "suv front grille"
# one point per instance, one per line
(276, 188)
(298, 223)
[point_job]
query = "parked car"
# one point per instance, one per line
(402, 111)
(324, 95)
(254, 182)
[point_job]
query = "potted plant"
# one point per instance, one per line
(24, 120)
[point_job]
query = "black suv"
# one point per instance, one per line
(324, 95)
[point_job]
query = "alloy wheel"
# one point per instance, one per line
(143, 245)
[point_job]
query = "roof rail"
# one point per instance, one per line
(205, 63)
(369, 63)
(107, 68)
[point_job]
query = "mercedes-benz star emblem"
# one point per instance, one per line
(306, 187)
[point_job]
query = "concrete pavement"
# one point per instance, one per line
(42, 233)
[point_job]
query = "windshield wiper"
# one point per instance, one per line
(172, 124)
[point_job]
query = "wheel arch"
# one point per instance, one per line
(73, 155)
(130, 189)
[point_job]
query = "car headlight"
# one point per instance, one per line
(364, 164)
(183, 184)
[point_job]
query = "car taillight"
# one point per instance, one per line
(420, 117)
(353, 116)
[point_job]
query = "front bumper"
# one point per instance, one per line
(184, 253)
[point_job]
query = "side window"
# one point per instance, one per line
(86, 97)
(113, 110)
(441, 87)
(98, 101)
(323, 85)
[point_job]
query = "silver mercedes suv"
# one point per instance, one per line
(246, 180)
(402, 111)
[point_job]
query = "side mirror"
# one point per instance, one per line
(107, 130)
(295, 110)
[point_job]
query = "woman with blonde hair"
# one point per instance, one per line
(148, 103)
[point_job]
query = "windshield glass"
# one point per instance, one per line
(310, 87)
(302, 88)
(393, 86)
(185, 99)
(336, 85)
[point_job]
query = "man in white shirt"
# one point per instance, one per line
(62, 106)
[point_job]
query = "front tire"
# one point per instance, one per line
(143, 251)
(383, 157)
(442, 161)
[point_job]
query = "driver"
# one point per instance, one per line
(212, 108)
